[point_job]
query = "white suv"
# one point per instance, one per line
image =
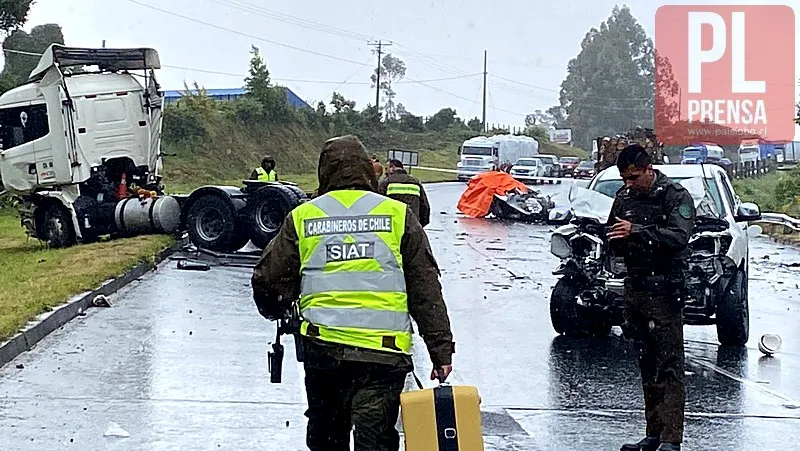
(719, 268)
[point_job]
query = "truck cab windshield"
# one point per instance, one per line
(481, 151)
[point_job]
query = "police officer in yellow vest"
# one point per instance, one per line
(265, 172)
(400, 185)
(362, 268)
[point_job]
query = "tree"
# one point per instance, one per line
(558, 115)
(258, 86)
(442, 120)
(196, 99)
(13, 14)
(392, 70)
(340, 104)
(609, 85)
(18, 66)
(475, 124)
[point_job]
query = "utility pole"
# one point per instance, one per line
(483, 119)
(379, 45)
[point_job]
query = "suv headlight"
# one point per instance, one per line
(559, 246)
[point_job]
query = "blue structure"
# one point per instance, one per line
(226, 95)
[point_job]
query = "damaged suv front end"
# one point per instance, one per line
(715, 290)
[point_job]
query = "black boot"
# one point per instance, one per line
(645, 444)
(669, 447)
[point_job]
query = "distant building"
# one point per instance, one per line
(225, 95)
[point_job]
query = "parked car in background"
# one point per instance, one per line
(528, 170)
(584, 170)
(568, 165)
(552, 167)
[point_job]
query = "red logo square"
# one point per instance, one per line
(724, 73)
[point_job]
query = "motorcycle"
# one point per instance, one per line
(530, 206)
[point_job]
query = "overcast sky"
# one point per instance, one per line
(529, 44)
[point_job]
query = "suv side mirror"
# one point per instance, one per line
(748, 212)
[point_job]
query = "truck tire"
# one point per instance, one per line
(213, 225)
(266, 211)
(733, 315)
(57, 229)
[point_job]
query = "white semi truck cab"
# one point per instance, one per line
(81, 153)
(498, 152)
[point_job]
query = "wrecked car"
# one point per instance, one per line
(588, 298)
(499, 194)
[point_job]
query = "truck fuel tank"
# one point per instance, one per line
(150, 215)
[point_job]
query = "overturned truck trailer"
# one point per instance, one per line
(81, 153)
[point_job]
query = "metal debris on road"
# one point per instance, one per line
(115, 430)
(769, 344)
(189, 265)
(101, 301)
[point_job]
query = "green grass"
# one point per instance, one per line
(766, 191)
(33, 279)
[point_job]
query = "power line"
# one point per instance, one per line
(259, 38)
(286, 18)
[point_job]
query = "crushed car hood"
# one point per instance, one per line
(588, 203)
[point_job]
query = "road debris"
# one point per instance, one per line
(115, 430)
(769, 344)
(101, 301)
(189, 265)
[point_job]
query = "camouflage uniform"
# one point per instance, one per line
(656, 255)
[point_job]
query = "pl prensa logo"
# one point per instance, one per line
(724, 73)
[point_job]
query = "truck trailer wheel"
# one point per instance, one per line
(733, 318)
(213, 225)
(266, 211)
(57, 229)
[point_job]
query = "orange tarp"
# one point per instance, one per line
(477, 199)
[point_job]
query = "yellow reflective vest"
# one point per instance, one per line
(264, 176)
(408, 189)
(353, 290)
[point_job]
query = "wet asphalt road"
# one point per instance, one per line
(179, 361)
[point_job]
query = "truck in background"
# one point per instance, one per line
(498, 152)
(755, 149)
(81, 154)
(699, 153)
(787, 154)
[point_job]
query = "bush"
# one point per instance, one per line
(183, 125)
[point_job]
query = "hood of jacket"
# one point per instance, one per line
(345, 164)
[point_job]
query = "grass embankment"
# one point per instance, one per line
(34, 279)
(229, 151)
(778, 192)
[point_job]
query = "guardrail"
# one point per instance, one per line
(544, 179)
(781, 219)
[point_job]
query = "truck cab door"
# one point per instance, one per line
(52, 155)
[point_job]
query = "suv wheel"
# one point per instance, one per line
(733, 316)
